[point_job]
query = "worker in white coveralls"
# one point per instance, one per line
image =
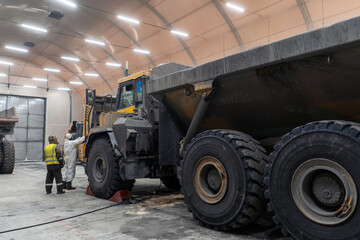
(70, 152)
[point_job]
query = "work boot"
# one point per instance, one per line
(60, 189)
(69, 187)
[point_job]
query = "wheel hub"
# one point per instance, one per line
(214, 180)
(324, 191)
(99, 169)
(327, 190)
(210, 180)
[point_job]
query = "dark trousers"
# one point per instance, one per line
(53, 171)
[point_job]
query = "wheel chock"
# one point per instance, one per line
(121, 196)
(88, 191)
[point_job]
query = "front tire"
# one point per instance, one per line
(7, 157)
(314, 182)
(103, 170)
(221, 178)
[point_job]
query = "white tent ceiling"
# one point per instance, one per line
(214, 31)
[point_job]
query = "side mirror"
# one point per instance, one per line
(90, 97)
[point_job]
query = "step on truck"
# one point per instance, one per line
(274, 127)
(8, 119)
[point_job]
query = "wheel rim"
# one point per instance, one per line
(99, 169)
(324, 191)
(210, 180)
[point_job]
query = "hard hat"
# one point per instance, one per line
(68, 136)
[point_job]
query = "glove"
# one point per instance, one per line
(62, 162)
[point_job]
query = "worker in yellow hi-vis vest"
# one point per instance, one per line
(54, 162)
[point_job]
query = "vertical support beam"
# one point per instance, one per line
(305, 13)
(9, 77)
(70, 107)
(47, 82)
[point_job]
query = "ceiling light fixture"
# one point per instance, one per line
(76, 83)
(6, 63)
(63, 89)
(92, 74)
(235, 7)
(179, 33)
(29, 86)
(141, 51)
(69, 3)
(70, 58)
(38, 29)
(3, 75)
(52, 70)
(113, 64)
(95, 42)
(16, 49)
(127, 19)
(40, 79)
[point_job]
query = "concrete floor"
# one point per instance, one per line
(26, 212)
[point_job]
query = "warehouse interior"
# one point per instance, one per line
(51, 51)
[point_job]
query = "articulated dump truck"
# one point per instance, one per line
(8, 119)
(273, 127)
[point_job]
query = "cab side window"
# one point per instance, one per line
(126, 98)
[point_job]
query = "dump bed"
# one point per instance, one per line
(8, 118)
(268, 90)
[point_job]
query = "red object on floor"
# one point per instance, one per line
(121, 196)
(88, 191)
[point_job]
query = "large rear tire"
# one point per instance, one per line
(103, 170)
(314, 182)
(7, 157)
(221, 178)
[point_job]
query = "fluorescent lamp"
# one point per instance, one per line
(128, 19)
(51, 70)
(70, 58)
(6, 63)
(113, 64)
(92, 74)
(29, 86)
(3, 75)
(235, 7)
(179, 33)
(76, 83)
(63, 89)
(38, 29)
(95, 42)
(40, 79)
(141, 51)
(16, 49)
(69, 3)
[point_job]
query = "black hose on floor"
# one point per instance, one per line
(58, 220)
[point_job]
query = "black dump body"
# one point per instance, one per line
(269, 90)
(8, 119)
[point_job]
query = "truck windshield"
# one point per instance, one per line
(126, 98)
